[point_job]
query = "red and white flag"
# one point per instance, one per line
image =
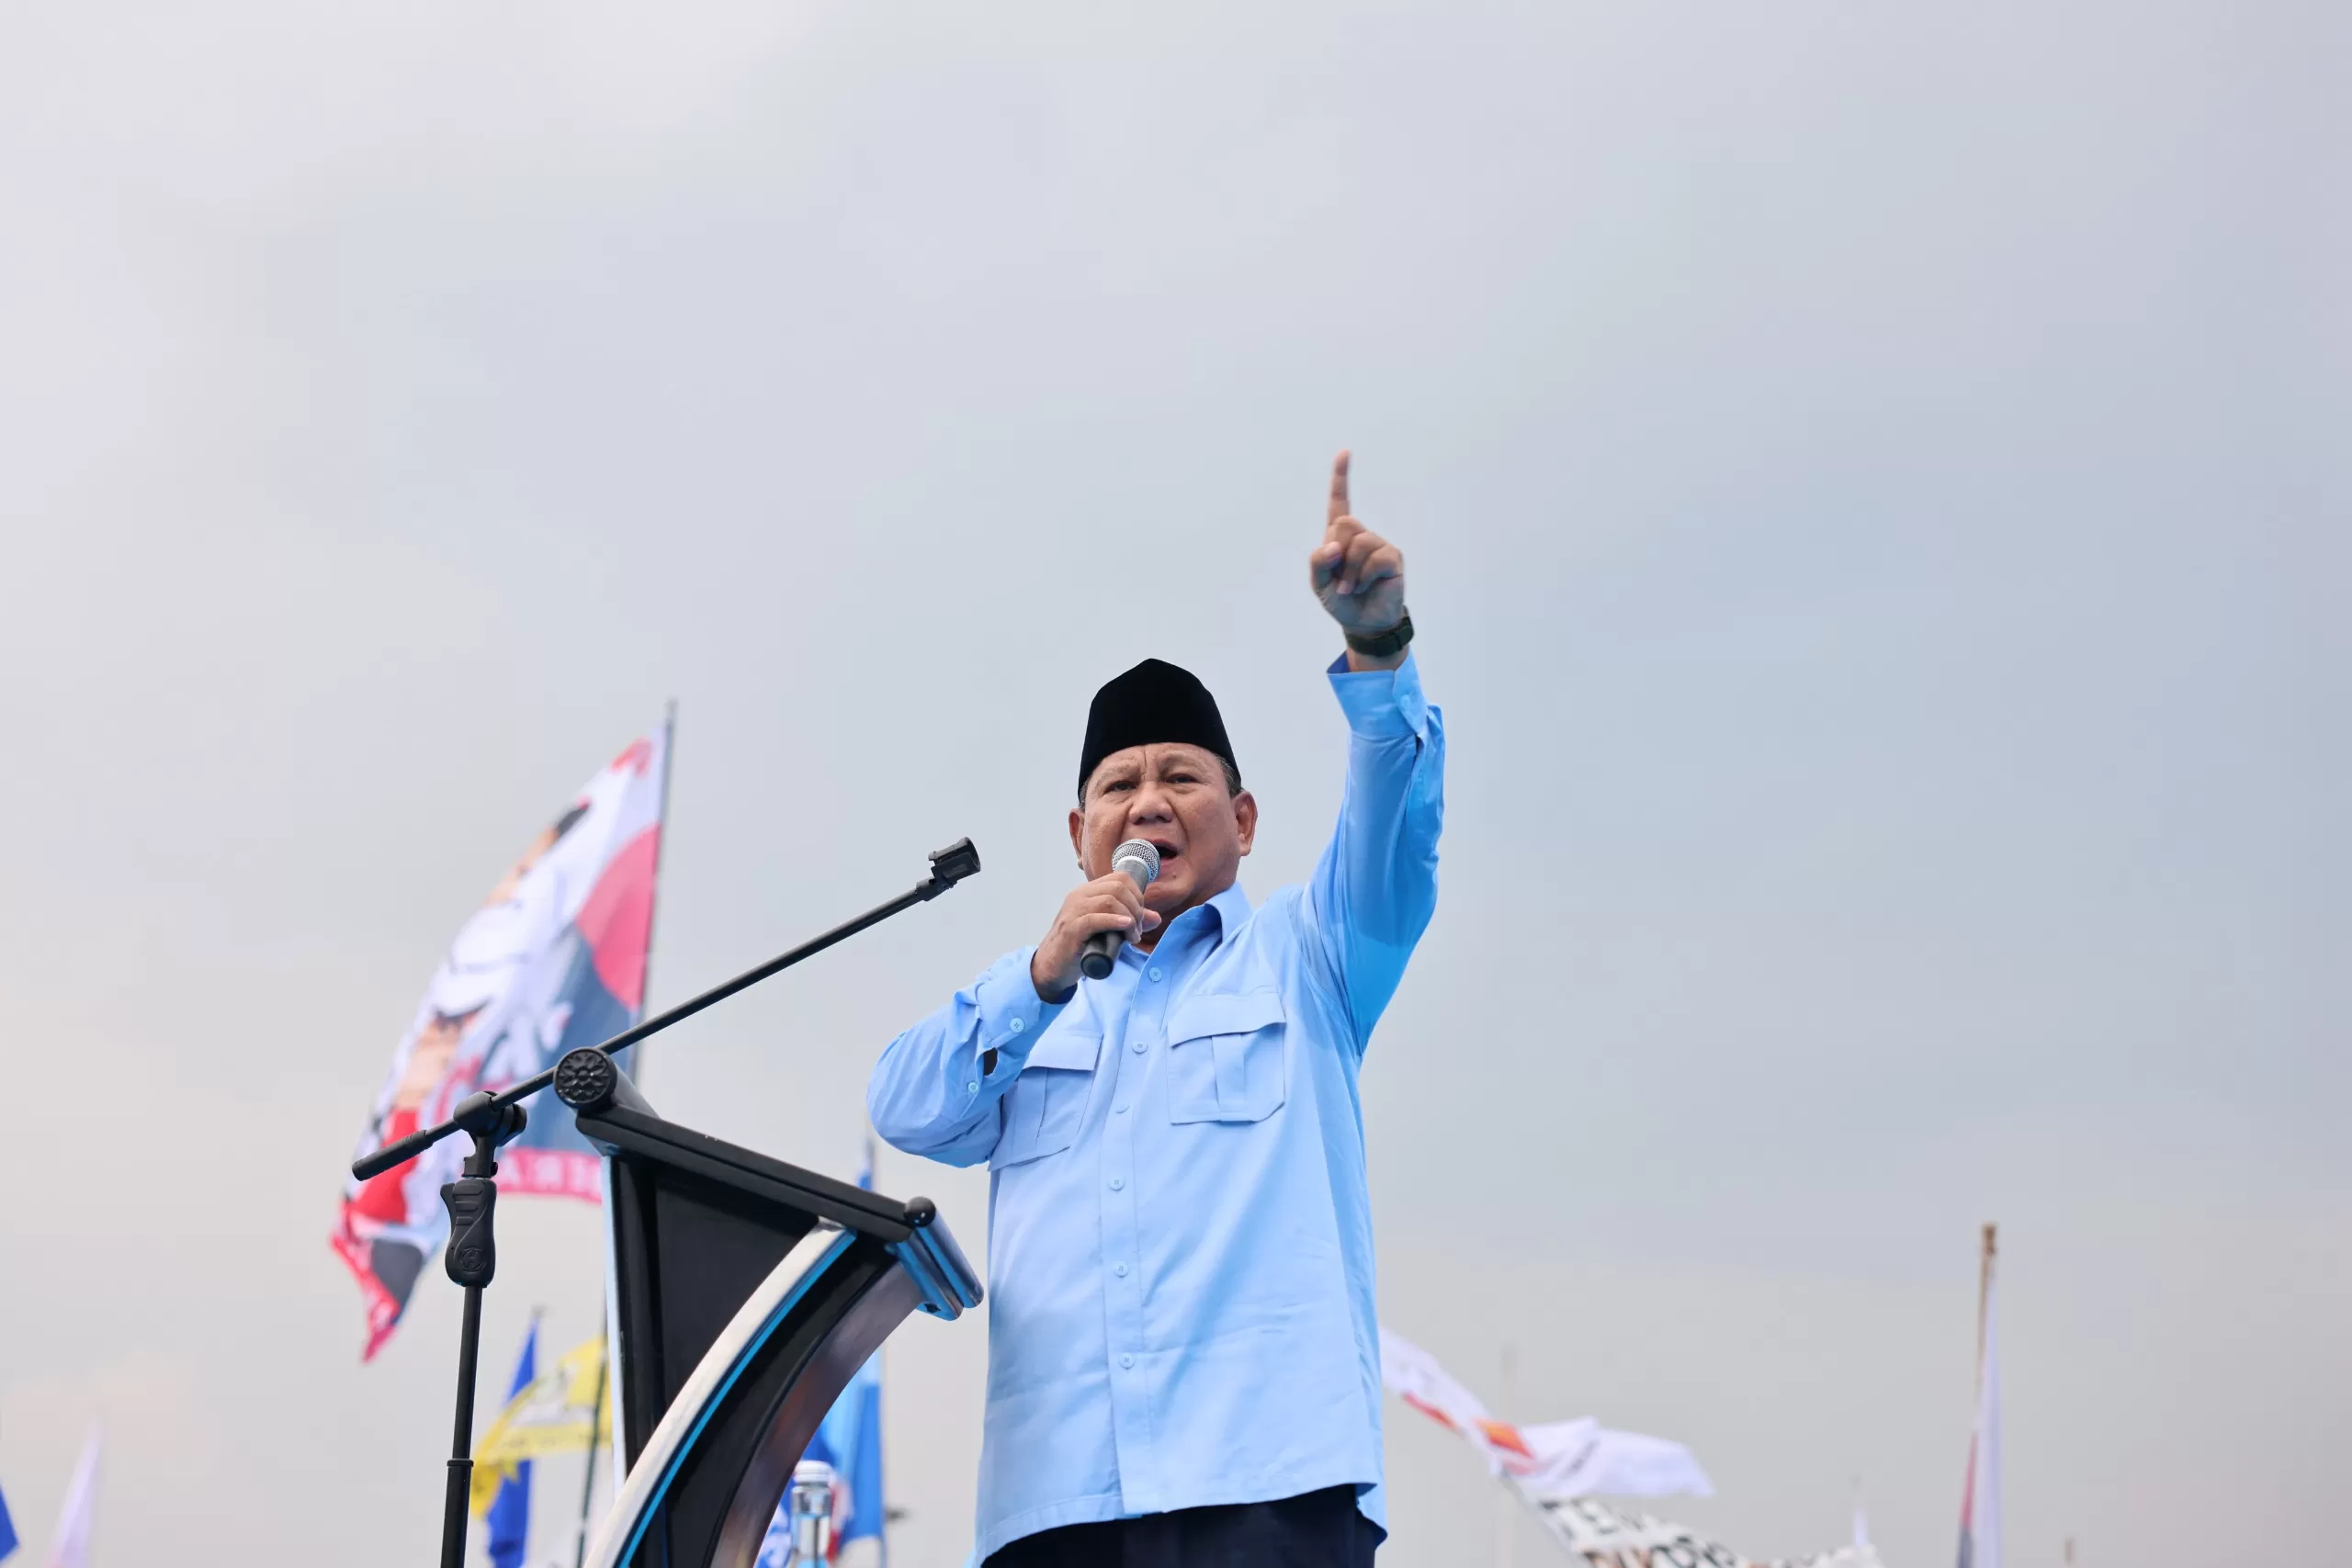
(554, 959)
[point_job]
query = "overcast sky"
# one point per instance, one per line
(1874, 492)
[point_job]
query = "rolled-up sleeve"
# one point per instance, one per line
(936, 1089)
(1376, 887)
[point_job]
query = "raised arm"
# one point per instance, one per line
(1376, 887)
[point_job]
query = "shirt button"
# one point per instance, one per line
(1117, 1182)
(1155, 972)
(971, 1088)
(1120, 1269)
(1126, 1360)
(1118, 1110)
(1136, 1047)
(1018, 1024)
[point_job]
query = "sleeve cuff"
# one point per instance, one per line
(1012, 1013)
(1382, 704)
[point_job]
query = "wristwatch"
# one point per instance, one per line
(1393, 640)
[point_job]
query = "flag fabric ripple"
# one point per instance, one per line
(553, 959)
(1560, 1459)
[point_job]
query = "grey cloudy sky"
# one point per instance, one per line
(1874, 488)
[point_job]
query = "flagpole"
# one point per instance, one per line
(1984, 1452)
(637, 1070)
(1506, 1541)
(661, 852)
(588, 1480)
(1984, 1296)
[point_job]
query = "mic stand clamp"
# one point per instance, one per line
(471, 1259)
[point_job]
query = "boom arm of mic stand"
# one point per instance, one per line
(948, 867)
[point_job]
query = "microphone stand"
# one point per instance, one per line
(471, 1259)
(490, 1120)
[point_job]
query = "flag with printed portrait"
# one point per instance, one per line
(553, 959)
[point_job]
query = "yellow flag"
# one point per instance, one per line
(551, 1416)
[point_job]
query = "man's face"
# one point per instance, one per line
(1173, 797)
(429, 1059)
(508, 883)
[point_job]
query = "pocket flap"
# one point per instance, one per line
(1073, 1050)
(1242, 1012)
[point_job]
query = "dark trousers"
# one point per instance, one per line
(1314, 1529)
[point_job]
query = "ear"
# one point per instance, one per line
(1245, 818)
(1078, 837)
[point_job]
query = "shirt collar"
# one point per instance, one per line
(1232, 907)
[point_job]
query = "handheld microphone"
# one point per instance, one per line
(1141, 862)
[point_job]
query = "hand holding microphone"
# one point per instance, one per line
(1096, 917)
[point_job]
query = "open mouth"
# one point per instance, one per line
(1168, 852)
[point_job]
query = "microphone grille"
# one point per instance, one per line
(1145, 868)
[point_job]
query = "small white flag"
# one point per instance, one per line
(1564, 1459)
(70, 1548)
(1979, 1517)
(1584, 1459)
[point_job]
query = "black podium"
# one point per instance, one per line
(747, 1293)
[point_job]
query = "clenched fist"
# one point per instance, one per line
(1109, 903)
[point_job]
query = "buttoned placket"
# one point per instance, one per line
(1132, 1369)
(1122, 1236)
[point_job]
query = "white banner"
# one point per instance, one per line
(1557, 1469)
(1564, 1458)
(1601, 1537)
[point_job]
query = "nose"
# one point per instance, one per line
(1150, 805)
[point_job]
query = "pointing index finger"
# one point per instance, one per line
(1338, 489)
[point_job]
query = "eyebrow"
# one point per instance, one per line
(1199, 764)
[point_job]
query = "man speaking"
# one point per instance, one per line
(1184, 1362)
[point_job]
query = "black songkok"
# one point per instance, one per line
(1152, 704)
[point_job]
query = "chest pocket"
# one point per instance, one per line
(1226, 1060)
(1046, 1103)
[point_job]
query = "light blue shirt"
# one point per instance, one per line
(1180, 1234)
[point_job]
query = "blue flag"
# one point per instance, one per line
(851, 1436)
(850, 1439)
(509, 1512)
(8, 1531)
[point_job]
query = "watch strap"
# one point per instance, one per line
(1381, 646)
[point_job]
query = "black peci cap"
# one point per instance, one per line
(1152, 704)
